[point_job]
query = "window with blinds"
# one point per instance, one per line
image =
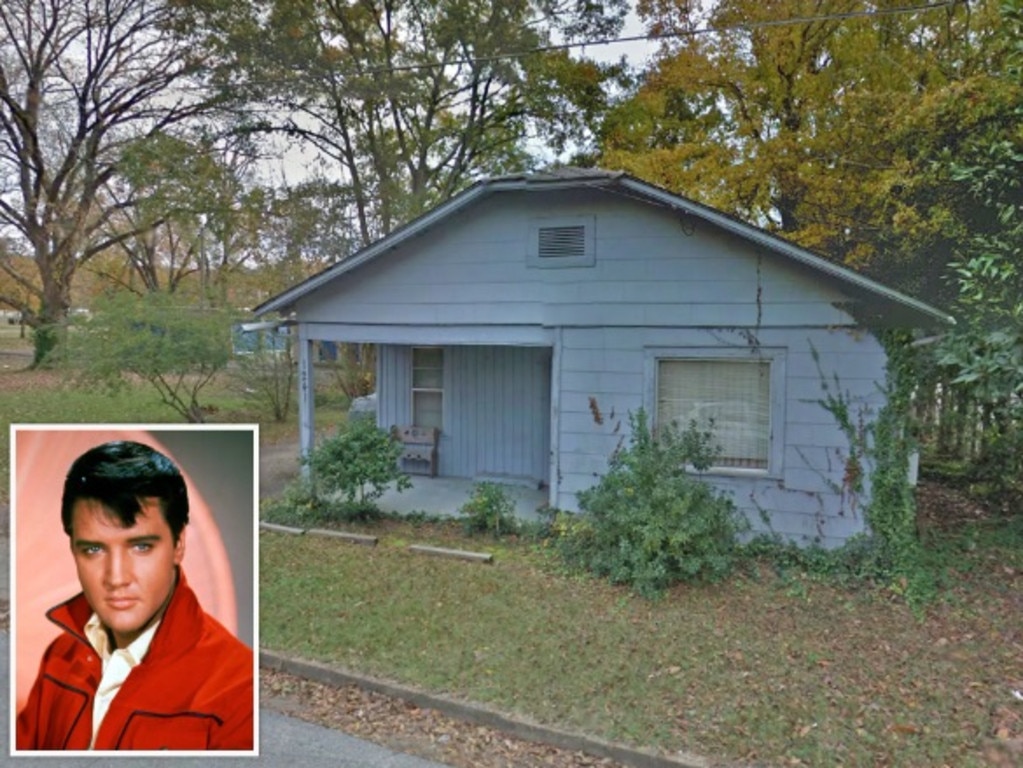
(428, 387)
(729, 398)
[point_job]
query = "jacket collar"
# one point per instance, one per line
(179, 628)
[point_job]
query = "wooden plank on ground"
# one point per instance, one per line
(355, 538)
(280, 528)
(461, 554)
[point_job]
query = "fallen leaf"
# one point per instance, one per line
(905, 729)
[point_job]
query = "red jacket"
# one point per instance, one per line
(193, 689)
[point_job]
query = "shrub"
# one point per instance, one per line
(176, 348)
(862, 559)
(649, 522)
(489, 510)
(356, 465)
(266, 377)
(297, 506)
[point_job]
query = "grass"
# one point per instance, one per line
(766, 669)
(10, 337)
(52, 396)
(763, 668)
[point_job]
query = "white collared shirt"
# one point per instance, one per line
(117, 665)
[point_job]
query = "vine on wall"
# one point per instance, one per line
(884, 444)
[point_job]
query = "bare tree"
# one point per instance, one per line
(410, 100)
(79, 81)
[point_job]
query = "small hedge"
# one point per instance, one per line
(348, 473)
(651, 521)
(357, 465)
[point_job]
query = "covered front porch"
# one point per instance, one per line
(443, 496)
(491, 397)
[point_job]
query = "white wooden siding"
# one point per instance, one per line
(803, 499)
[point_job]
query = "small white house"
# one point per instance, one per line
(526, 317)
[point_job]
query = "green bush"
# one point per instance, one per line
(158, 338)
(297, 506)
(489, 510)
(862, 559)
(650, 522)
(356, 466)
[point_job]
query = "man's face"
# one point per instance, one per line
(127, 574)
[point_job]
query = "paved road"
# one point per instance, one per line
(284, 741)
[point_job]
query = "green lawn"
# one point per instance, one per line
(783, 670)
(44, 397)
(777, 669)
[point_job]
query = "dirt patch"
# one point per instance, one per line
(19, 377)
(943, 508)
(278, 466)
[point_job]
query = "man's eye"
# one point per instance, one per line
(91, 550)
(143, 546)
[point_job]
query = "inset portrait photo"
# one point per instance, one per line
(134, 589)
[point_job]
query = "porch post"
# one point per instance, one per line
(554, 487)
(306, 414)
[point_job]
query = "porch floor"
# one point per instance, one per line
(444, 495)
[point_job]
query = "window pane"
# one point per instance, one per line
(427, 386)
(426, 409)
(427, 378)
(729, 398)
(427, 357)
(427, 367)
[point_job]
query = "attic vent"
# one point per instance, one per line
(562, 242)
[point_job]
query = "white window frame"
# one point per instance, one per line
(413, 389)
(587, 259)
(773, 356)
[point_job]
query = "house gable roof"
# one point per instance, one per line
(905, 309)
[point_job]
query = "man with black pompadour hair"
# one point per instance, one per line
(139, 664)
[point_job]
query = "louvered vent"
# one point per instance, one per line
(562, 242)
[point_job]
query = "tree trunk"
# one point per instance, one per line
(50, 323)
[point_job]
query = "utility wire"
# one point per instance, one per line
(738, 27)
(674, 35)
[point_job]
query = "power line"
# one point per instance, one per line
(675, 35)
(738, 27)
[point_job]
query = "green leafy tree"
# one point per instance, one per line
(985, 352)
(199, 217)
(175, 348)
(819, 119)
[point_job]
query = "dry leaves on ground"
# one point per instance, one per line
(404, 727)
